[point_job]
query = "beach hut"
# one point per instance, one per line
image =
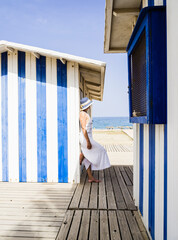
(40, 93)
(146, 31)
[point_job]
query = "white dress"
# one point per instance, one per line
(96, 156)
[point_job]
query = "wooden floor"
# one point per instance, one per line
(33, 210)
(105, 210)
(118, 147)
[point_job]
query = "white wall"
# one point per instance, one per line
(73, 122)
(146, 174)
(136, 157)
(172, 88)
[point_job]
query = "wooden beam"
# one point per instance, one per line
(93, 86)
(88, 71)
(108, 21)
(63, 60)
(94, 92)
(37, 55)
(10, 49)
(102, 81)
(133, 11)
(91, 76)
(95, 97)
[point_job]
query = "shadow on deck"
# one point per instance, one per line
(104, 210)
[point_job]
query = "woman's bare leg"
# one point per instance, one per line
(90, 177)
(81, 157)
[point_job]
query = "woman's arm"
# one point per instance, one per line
(83, 121)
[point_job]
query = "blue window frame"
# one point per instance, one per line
(147, 67)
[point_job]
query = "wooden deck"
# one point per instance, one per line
(105, 210)
(33, 210)
(102, 210)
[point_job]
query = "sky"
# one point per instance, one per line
(73, 27)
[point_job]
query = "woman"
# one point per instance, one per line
(93, 156)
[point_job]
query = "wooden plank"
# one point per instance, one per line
(63, 232)
(94, 225)
(23, 238)
(31, 214)
(129, 173)
(85, 196)
(74, 229)
(145, 236)
(28, 234)
(84, 228)
(104, 229)
(141, 225)
(128, 199)
(30, 228)
(133, 226)
(117, 191)
(130, 188)
(36, 205)
(121, 168)
(78, 192)
(126, 178)
(32, 218)
(29, 223)
(113, 225)
(102, 192)
(25, 195)
(131, 168)
(94, 193)
(109, 191)
(124, 228)
(32, 201)
(43, 212)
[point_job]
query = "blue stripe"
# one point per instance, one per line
(62, 121)
(165, 182)
(164, 2)
(22, 116)
(152, 180)
(141, 170)
(4, 116)
(41, 119)
(150, 2)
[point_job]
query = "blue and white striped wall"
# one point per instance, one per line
(150, 171)
(39, 119)
(150, 177)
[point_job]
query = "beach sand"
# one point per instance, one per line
(118, 143)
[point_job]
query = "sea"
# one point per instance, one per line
(111, 122)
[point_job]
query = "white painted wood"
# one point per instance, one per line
(51, 120)
(10, 49)
(31, 118)
(159, 181)
(37, 55)
(0, 128)
(136, 130)
(158, 2)
(73, 122)
(146, 175)
(145, 3)
(172, 126)
(108, 20)
(13, 133)
(54, 54)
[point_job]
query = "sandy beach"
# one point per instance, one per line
(118, 143)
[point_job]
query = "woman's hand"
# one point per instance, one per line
(89, 146)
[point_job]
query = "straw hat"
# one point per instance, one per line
(85, 103)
